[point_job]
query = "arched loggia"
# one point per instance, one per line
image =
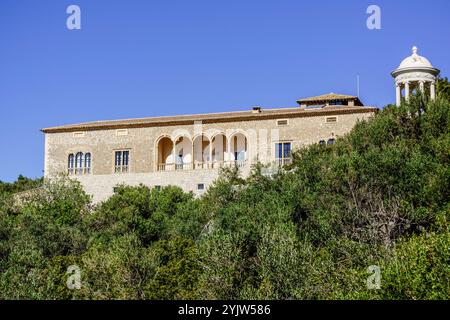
(202, 152)
(238, 147)
(165, 154)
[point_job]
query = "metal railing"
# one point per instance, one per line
(283, 161)
(120, 169)
(78, 171)
(201, 165)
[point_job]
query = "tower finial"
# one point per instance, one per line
(414, 50)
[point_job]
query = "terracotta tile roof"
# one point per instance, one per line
(328, 97)
(209, 118)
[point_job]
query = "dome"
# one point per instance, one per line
(415, 61)
(414, 74)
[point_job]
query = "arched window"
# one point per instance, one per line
(331, 141)
(322, 142)
(79, 163)
(87, 163)
(70, 163)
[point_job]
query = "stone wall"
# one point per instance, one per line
(142, 144)
(102, 186)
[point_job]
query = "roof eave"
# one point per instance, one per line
(251, 117)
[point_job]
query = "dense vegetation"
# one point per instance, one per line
(379, 196)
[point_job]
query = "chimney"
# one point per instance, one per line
(256, 109)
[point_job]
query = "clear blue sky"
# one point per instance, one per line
(146, 58)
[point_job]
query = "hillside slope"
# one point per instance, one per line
(319, 229)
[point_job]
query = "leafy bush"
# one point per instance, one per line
(379, 196)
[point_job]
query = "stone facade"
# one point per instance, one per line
(235, 138)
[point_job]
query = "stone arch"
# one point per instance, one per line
(201, 150)
(164, 153)
(238, 146)
(219, 147)
(183, 151)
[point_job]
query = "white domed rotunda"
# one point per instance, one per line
(415, 73)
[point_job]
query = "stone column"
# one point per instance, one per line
(210, 164)
(192, 154)
(421, 86)
(228, 149)
(225, 152)
(398, 94)
(407, 90)
(433, 90)
(174, 144)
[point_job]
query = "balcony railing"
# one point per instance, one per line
(78, 171)
(166, 167)
(201, 165)
(283, 161)
(120, 169)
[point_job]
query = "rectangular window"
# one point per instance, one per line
(286, 150)
(78, 134)
(125, 158)
(282, 122)
(121, 132)
(337, 103)
(283, 152)
(331, 119)
(121, 159)
(201, 186)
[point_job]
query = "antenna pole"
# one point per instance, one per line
(357, 85)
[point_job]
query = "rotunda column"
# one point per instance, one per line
(421, 86)
(406, 90)
(433, 91)
(398, 93)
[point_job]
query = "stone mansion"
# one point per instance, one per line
(189, 150)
